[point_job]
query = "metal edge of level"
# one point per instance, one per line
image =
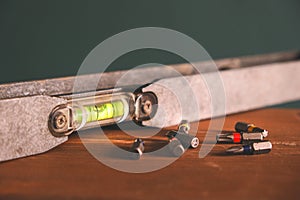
(64, 85)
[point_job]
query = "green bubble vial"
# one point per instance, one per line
(100, 111)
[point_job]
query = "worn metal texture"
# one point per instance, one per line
(84, 83)
(59, 86)
(24, 126)
(248, 61)
(245, 89)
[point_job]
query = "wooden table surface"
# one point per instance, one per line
(69, 171)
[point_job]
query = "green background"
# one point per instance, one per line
(44, 39)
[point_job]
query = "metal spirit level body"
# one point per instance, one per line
(31, 125)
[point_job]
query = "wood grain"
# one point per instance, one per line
(70, 172)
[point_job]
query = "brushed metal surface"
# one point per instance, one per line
(24, 126)
(64, 85)
(245, 89)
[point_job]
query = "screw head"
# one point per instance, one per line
(60, 120)
(147, 107)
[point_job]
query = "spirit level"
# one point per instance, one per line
(38, 115)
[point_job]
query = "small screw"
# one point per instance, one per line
(60, 120)
(147, 107)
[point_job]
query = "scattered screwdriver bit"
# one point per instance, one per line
(235, 137)
(186, 139)
(138, 148)
(175, 147)
(249, 128)
(184, 126)
(171, 134)
(253, 148)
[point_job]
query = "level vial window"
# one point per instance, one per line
(100, 112)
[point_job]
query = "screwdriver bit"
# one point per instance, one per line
(176, 147)
(138, 148)
(235, 137)
(184, 126)
(186, 139)
(253, 148)
(249, 128)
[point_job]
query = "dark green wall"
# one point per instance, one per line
(43, 39)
